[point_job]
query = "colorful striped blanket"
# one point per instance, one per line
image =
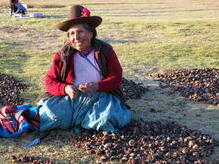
(18, 120)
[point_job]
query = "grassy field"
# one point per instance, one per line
(148, 36)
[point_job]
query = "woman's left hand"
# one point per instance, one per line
(88, 87)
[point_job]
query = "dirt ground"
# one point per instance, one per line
(166, 104)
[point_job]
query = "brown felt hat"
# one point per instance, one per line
(79, 15)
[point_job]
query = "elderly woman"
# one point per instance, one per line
(84, 80)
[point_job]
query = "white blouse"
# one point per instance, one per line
(84, 71)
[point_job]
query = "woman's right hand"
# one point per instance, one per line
(71, 91)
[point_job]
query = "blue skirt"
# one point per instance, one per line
(94, 111)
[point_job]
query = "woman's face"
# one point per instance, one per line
(80, 38)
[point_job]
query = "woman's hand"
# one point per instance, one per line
(88, 87)
(71, 91)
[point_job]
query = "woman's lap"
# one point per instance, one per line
(97, 111)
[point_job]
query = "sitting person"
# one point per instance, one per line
(83, 80)
(17, 7)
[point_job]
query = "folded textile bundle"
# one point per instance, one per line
(18, 120)
(35, 15)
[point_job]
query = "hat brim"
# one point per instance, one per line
(94, 21)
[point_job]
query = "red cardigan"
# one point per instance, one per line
(55, 86)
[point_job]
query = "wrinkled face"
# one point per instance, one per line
(80, 38)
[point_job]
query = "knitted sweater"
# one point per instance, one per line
(62, 73)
